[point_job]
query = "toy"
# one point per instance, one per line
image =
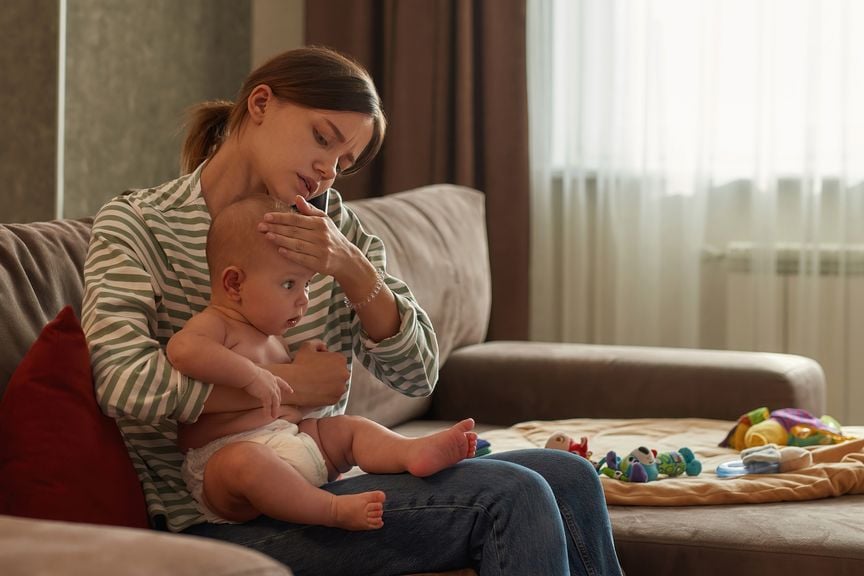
(483, 448)
(786, 426)
(644, 465)
(767, 459)
(563, 441)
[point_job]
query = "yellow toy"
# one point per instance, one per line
(786, 426)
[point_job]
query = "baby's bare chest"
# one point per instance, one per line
(258, 347)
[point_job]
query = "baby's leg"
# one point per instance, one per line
(349, 440)
(245, 479)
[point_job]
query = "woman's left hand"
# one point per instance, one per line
(311, 239)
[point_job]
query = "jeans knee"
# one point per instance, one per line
(575, 465)
(561, 470)
(517, 485)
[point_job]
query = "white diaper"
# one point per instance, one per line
(294, 447)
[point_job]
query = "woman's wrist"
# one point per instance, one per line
(376, 290)
(362, 281)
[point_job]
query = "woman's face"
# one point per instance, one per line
(300, 151)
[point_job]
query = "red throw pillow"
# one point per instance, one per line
(61, 458)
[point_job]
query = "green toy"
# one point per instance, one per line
(644, 465)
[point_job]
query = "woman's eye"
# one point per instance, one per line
(288, 285)
(320, 138)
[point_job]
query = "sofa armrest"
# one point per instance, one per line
(507, 382)
(30, 546)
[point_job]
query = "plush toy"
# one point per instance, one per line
(786, 426)
(563, 441)
(679, 462)
(644, 465)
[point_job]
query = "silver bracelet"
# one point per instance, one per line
(379, 283)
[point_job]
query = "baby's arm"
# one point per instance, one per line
(199, 351)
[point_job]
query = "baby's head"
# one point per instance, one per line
(233, 238)
(248, 275)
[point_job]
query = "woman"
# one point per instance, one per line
(300, 120)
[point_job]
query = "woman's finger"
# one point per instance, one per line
(298, 245)
(304, 207)
(303, 221)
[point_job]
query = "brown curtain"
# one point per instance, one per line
(452, 78)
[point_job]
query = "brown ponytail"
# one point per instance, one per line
(205, 127)
(311, 76)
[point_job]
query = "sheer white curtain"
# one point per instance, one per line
(698, 177)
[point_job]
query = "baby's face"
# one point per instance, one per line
(275, 294)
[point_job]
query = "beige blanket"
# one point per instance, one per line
(837, 469)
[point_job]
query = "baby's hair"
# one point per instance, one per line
(233, 238)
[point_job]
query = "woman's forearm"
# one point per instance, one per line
(318, 379)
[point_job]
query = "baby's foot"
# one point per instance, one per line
(364, 511)
(435, 452)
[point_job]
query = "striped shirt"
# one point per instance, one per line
(146, 274)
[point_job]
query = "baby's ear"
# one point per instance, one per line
(232, 280)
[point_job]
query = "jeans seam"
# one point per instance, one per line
(268, 539)
(576, 537)
(493, 533)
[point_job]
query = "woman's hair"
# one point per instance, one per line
(313, 77)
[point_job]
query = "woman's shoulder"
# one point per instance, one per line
(178, 198)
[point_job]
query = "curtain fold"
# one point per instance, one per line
(452, 77)
(697, 173)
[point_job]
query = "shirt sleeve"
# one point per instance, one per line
(408, 360)
(125, 331)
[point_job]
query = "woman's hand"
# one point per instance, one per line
(318, 377)
(311, 239)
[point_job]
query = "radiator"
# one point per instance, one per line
(802, 300)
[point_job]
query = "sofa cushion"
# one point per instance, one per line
(60, 457)
(40, 273)
(30, 547)
(436, 242)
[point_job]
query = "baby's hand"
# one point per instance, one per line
(268, 388)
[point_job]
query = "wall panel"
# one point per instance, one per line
(132, 70)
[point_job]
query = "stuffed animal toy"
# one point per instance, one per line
(563, 441)
(644, 465)
(786, 426)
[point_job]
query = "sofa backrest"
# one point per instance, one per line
(435, 238)
(40, 273)
(436, 242)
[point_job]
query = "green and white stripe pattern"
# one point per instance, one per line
(146, 274)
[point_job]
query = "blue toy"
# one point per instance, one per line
(644, 465)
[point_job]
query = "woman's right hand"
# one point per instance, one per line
(318, 377)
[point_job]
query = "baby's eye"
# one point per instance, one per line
(288, 284)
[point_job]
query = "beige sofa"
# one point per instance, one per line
(437, 242)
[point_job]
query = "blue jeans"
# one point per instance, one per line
(527, 512)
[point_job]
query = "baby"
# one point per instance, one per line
(256, 296)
